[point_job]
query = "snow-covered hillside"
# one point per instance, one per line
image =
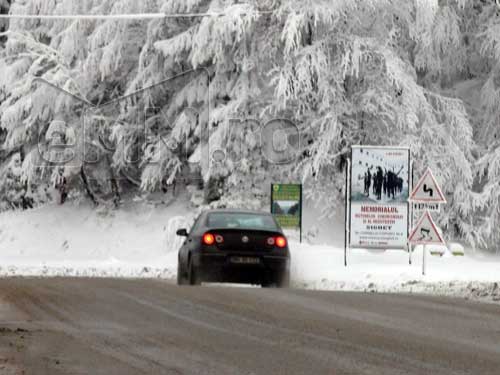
(139, 241)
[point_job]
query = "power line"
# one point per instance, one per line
(117, 16)
(82, 16)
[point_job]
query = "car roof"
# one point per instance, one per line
(205, 213)
(236, 210)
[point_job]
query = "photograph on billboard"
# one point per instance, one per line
(379, 212)
(380, 175)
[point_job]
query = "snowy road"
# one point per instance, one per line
(102, 326)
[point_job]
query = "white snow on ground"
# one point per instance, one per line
(138, 241)
(74, 240)
(322, 267)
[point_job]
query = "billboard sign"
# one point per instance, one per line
(379, 192)
(286, 205)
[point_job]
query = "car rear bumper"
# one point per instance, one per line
(221, 267)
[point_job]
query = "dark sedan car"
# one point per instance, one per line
(234, 246)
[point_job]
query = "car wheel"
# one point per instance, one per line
(193, 274)
(284, 280)
(281, 280)
(268, 282)
(181, 275)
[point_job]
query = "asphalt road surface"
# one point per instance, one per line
(101, 326)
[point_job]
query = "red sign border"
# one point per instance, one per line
(434, 227)
(442, 199)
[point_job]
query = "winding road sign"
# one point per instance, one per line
(427, 190)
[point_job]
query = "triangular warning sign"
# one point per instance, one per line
(425, 232)
(427, 190)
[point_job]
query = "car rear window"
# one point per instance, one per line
(229, 220)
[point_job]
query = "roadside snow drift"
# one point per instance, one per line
(74, 240)
(473, 275)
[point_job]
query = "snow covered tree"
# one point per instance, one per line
(4, 9)
(375, 73)
(166, 98)
(87, 60)
(484, 103)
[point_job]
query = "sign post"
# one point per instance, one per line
(427, 197)
(411, 216)
(347, 208)
(286, 206)
(424, 261)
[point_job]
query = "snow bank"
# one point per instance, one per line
(472, 275)
(70, 240)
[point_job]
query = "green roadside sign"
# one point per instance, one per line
(286, 205)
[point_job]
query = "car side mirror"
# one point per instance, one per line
(182, 232)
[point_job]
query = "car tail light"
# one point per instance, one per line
(280, 241)
(219, 238)
(208, 239)
(270, 241)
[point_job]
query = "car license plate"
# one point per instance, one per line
(245, 260)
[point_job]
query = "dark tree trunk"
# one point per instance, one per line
(89, 191)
